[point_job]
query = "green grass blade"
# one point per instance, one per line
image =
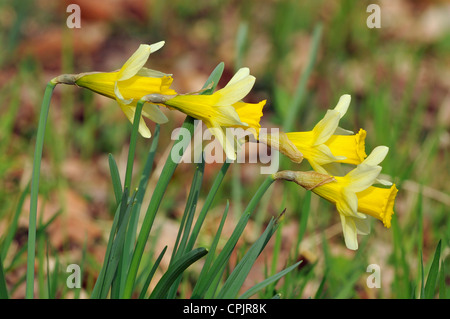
(188, 216)
(101, 277)
(430, 286)
(117, 249)
(292, 112)
(207, 205)
(115, 178)
(272, 279)
(222, 259)
(234, 282)
(173, 272)
(3, 287)
(209, 259)
(151, 273)
(12, 228)
(135, 213)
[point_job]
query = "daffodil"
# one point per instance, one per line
(128, 85)
(354, 195)
(327, 143)
(222, 109)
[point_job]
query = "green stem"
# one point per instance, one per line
(132, 148)
(29, 293)
(160, 189)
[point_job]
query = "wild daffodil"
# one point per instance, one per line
(354, 195)
(222, 109)
(327, 143)
(128, 85)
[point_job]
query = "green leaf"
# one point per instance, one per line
(202, 278)
(250, 292)
(151, 273)
(3, 288)
(432, 277)
(234, 282)
(115, 178)
(172, 273)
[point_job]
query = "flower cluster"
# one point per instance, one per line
(326, 147)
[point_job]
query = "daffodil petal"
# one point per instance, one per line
(343, 104)
(240, 74)
(152, 73)
(134, 63)
(362, 177)
(376, 156)
(235, 92)
(219, 134)
(156, 46)
(362, 226)
(153, 112)
(350, 232)
(326, 127)
(129, 113)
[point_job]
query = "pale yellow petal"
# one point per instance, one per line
(343, 104)
(350, 232)
(376, 156)
(235, 92)
(153, 112)
(221, 137)
(326, 127)
(129, 112)
(135, 62)
(240, 74)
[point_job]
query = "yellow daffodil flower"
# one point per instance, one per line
(128, 85)
(353, 194)
(327, 143)
(222, 109)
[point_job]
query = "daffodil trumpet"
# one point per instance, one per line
(128, 85)
(326, 144)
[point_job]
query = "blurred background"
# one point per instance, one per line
(304, 55)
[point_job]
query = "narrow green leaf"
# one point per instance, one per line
(101, 277)
(295, 104)
(200, 285)
(430, 287)
(151, 273)
(234, 282)
(207, 205)
(250, 292)
(3, 288)
(115, 178)
(117, 248)
(135, 213)
(172, 273)
(221, 261)
(12, 228)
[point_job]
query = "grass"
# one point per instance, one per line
(316, 54)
